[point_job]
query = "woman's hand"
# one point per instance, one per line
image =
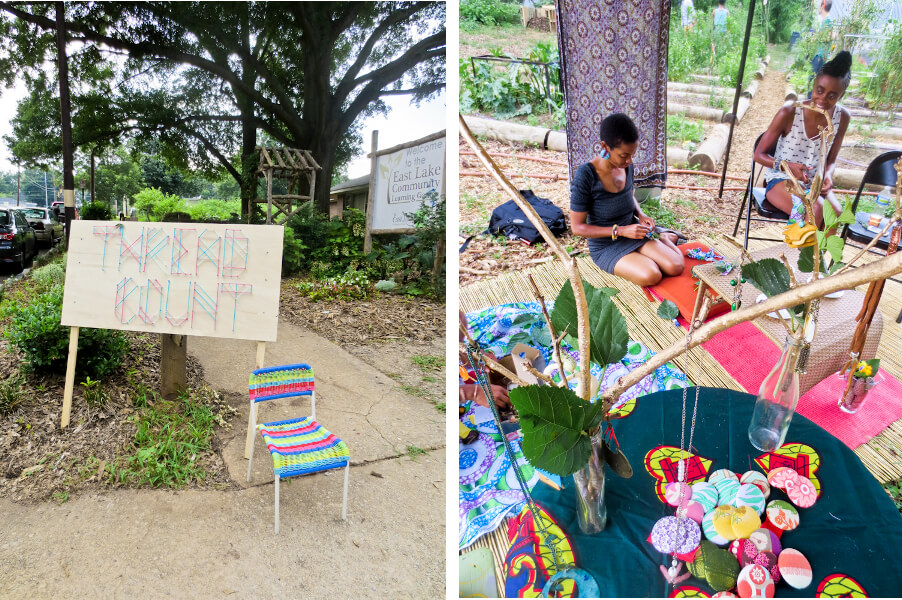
(827, 186)
(798, 170)
(636, 231)
(474, 392)
(644, 219)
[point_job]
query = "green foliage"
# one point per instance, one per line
(12, 396)
(95, 396)
(668, 310)
(894, 489)
(96, 211)
(36, 331)
(663, 215)
(885, 91)
(292, 253)
(607, 327)
(170, 439)
(47, 277)
(213, 210)
(489, 12)
(385, 285)
(535, 333)
(681, 129)
(352, 285)
(555, 424)
(155, 204)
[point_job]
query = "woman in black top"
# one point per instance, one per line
(604, 210)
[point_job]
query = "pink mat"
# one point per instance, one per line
(734, 348)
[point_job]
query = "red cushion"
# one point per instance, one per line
(683, 289)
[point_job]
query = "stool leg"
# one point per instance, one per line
(250, 461)
(251, 426)
(344, 499)
(277, 502)
(313, 406)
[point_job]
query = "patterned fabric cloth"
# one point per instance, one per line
(604, 208)
(614, 59)
(487, 485)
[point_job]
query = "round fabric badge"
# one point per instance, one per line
(802, 494)
(722, 520)
(693, 511)
(765, 539)
(782, 515)
(736, 549)
(710, 532)
(782, 478)
(726, 491)
(795, 568)
(750, 495)
(722, 474)
(724, 595)
(673, 490)
(671, 535)
(745, 520)
(705, 494)
(755, 582)
(757, 479)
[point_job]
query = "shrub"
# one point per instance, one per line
(49, 276)
(292, 253)
(36, 331)
(214, 210)
(489, 12)
(352, 285)
(155, 204)
(96, 211)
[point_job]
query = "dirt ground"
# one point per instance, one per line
(66, 530)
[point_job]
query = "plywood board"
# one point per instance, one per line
(183, 278)
(403, 178)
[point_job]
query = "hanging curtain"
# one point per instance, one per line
(614, 59)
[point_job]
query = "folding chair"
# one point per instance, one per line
(754, 198)
(298, 446)
(879, 172)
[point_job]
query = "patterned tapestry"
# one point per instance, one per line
(614, 59)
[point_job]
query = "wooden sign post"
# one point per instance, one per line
(175, 279)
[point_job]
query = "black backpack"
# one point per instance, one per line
(509, 220)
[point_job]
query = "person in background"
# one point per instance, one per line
(823, 47)
(468, 389)
(687, 14)
(795, 131)
(720, 17)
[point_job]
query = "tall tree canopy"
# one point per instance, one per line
(202, 78)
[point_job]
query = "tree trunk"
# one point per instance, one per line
(248, 132)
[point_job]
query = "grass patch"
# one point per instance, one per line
(171, 438)
(12, 396)
(414, 452)
(429, 363)
(680, 129)
(894, 489)
(663, 216)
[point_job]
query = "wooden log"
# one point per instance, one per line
(741, 109)
(695, 111)
(711, 150)
(705, 79)
(513, 132)
(759, 74)
(677, 157)
(751, 88)
(690, 97)
(699, 89)
(173, 365)
(790, 95)
(880, 114)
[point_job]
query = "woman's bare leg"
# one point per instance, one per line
(639, 269)
(666, 255)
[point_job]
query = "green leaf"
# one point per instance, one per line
(835, 244)
(835, 267)
(520, 338)
(563, 315)
(608, 335)
(821, 239)
(806, 259)
(829, 216)
(541, 336)
(554, 423)
(768, 275)
(524, 320)
(847, 216)
(668, 310)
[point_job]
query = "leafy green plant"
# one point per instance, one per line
(351, 285)
(35, 330)
(49, 276)
(96, 211)
(95, 395)
(680, 129)
(155, 204)
(489, 12)
(414, 452)
(292, 253)
(212, 210)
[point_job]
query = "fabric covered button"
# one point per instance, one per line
(673, 490)
(750, 495)
(795, 568)
(716, 566)
(802, 494)
(782, 478)
(711, 532)
(726, 491)
(736, 548)
(722, 474)
(724, 595)
(723, 521)
(765, 539)
(757, 479)
(755, 582)
(744, 521)
(705, 494)
(671, 535)
(782, 515)
(693, 510)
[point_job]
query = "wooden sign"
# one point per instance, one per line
(181, 278)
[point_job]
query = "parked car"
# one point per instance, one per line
(17, 239)
(47, 227)
(59, 209)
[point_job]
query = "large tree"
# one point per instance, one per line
(305, 73)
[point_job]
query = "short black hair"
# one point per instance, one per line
(618, 129)
(828, 5)
(840, 67)
(721, 2)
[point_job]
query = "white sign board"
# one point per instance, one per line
(403, 178)
(182, 278)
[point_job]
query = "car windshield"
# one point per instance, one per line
(34, 213)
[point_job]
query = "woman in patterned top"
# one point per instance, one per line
(796, 134)
(604, 210)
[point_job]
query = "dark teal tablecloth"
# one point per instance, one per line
(854, 528)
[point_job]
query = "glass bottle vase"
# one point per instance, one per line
(777, 399)
(591, 510)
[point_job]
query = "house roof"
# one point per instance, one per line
(357, 182)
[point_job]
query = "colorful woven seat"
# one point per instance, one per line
(297, 446)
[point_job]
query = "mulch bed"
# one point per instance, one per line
(384, 318)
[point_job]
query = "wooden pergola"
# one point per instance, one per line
(297, 170)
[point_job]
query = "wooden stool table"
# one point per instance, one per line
(835, 323)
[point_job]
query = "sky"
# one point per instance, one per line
(405, 122)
